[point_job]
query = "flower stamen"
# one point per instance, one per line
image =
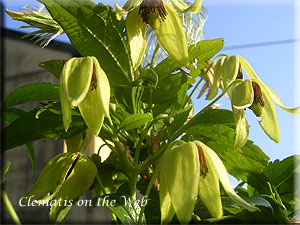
(150, 9)
(203, 166)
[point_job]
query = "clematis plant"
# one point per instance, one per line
(140, 124)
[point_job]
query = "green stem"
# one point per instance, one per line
(142, 137)
(133, 182)
(193, 91)
(10, 208)
(100, 184)
(154, 175)
(191, 122)
(122, 155)
(154, 56)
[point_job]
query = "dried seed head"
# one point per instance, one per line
(153, 11)
(203, 166)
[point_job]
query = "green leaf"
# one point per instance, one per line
(124, 207)
(267, 215)
(110, 177)
(10, 115)
(169, 88)
(216, 128)
(279, 171)
(31, 93)
(135, 121)
(27, 129)
(204, 51)
(179, 119)
(54, 66)
(94, 31)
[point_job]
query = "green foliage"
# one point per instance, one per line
(32, 93)
(27, 129)
(102, 38)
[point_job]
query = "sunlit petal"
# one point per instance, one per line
(136, 31)
(170, 35)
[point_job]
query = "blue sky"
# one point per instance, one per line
(247, 22)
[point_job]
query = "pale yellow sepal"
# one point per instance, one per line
(242, 95)
(223, 177)
(229, 70)
(209, 187)
(76, 79)
(170, 35)
(120, 12)
(251, 73)
(242, 127)
(65, 107)
(103, 87)
(217, 79)
(136, 31)
(181, 170)
(269, 121)
(195, 7)
(166, 208)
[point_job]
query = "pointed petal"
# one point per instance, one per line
(166, 208)
(251, 73)
(181, 173)
(195, 7)
(96, 103)
(242, 95)
(217, 79)
(136, 31)
(209, 187)
(242, 127)
(65, 107)
(170, 35)
(179, 5)
(278, 102)
(229, 70)
(103, 87)
(269, 121)
(51, 177)
(92, 111)
(77, 75)
(223, 176)
(120, 12)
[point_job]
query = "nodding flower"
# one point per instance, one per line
(250, 93)
(84, 84)
(165, 22)
(192, 169)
